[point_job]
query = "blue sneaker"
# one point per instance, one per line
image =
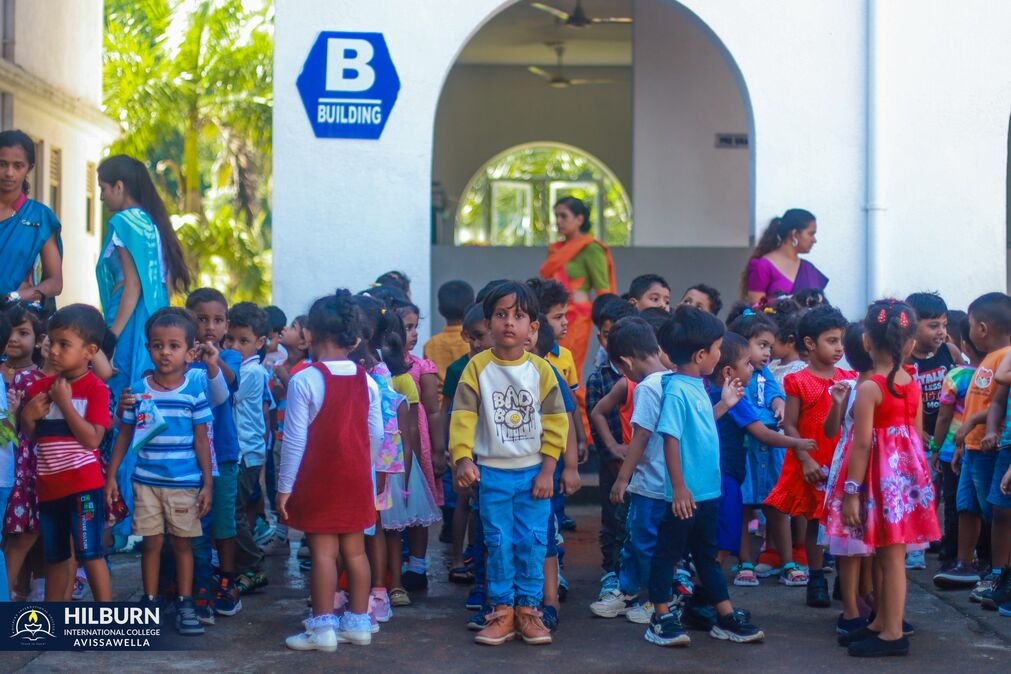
(608, 583)
(683, 583)
(1005, 609)
(666, 630)
(736, 627)
(549, 616)
(844, 626)
(477, 598)
(477, 622)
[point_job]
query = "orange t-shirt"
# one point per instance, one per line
(980, 394)
(625, 412)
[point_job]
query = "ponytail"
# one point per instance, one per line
(775, 234)
(137, 183)
(889, 325)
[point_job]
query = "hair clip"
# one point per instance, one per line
(748, 311)
(768, 310)
(903, 320)
(383, 311)
(882, 316)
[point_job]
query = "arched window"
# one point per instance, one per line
(508, 202)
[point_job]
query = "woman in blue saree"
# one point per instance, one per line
(141, 262)
(29, 231)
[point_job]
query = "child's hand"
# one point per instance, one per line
(1005, 483)
(935, 463)
(989, 442)
(60, 392)
(544, 484)
(38, 407)
(208, 353)
(111, 491)
(465, 474)
(281, 501)
(570, 481)
(683, 505)
(14, 399)
(582, 452)
(620, 451)
(733, 391)
(812, 471)
(806, 445)
(851, 510)
(779, 409)
(204, 500)
(127, 400)
(956, 459)
(960, 436)
(838, 392)
(438, 463)
(618, 491)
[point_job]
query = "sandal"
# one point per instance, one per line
(746, 575)
(250, 581)
(793, 575)
(399, 597)
(461, 575)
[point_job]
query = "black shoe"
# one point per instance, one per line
(876, 647)
(414, 581)
(856, 635)
(817, 591)
(736, 627)
(956, 575)
(566, 523)
(698, 617)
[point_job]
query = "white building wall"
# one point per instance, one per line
(348, 210)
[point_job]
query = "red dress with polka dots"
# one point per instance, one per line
(792, 494)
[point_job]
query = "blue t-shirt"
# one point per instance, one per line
(169, 459)
(226, 437)
(761, 391)
(650, 476)
(733, 456)
(687, 415)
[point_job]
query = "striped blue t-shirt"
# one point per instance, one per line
(169, 459)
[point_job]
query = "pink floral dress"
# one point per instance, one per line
(419, 368)
(897, 503)
(22, 515)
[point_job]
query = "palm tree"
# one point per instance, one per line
(191, 84)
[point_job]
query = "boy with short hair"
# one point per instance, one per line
(68, 415)
(975, 458)
(692, 454)
(454, 298)
(247, 333)
(172, 479)
(598, 385)
(211, 310)
(649, 290)
(509, 416)
(703, 297)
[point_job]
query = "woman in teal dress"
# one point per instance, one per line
(31, 252)
(141, 262)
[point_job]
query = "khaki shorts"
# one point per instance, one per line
(160, 509)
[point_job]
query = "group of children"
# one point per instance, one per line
(706, 433)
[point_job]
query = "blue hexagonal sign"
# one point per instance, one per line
(348, 85)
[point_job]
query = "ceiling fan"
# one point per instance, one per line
(558, 80)
(578, 17)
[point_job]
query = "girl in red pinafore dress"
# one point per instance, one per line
(887, 498)
(800, 490)
(325, 487)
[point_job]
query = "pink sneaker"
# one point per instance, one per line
(379, 606)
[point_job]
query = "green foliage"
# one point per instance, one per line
(509, 201)
(191, 84)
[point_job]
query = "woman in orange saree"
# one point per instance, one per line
(583, 265)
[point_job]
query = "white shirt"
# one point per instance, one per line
(306, 392)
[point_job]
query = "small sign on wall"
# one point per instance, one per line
(732, 141)
(348, 85)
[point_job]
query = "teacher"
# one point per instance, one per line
(775, 268)
(29, 231)
(584, 266)
(141, 263)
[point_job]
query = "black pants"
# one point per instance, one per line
(949, 487)
(248, 555)
(612, 517)
(675, 539)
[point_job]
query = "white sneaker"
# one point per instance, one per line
(613, 604)
(277, 545)
(355, 629)
(320, 637)
(640, 614)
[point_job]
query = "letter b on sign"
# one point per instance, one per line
(347, 65)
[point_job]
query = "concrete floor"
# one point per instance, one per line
(429, 636)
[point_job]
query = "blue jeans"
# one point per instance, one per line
(644, 517)
(514, 534)
(5, 493)
(676, 538)
(974, 483)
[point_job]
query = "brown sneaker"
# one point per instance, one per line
(531, 627)
(499, 627)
